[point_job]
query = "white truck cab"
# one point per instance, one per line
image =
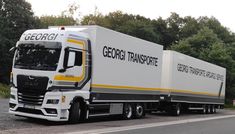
(50, 67)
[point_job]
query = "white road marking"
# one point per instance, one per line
(125, 128)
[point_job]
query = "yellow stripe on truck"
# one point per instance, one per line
(153, 89)
(68, 78)
(124, 87)
(78, 42)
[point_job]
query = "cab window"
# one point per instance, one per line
(74, 58)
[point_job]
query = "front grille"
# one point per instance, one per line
(31, 89)
(30, 99)
(31, 111)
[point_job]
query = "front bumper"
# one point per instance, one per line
(61, 112)
(49, 118)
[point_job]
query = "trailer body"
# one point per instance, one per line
(124, 68)
(192, 80)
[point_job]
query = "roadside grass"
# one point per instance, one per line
(4, 91)
(229, 106)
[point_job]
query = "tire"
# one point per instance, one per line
(203, 111)
(127, 111)
(75, 113)
(139, 111)
(207, 109)
(212, 109)
(176, 110)
(215, 111)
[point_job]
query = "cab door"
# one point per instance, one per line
(76, 70)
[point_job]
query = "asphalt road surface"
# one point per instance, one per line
(220, 126)
(156, 123)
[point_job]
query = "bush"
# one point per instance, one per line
(4, 91)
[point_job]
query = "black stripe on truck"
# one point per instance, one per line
(111, 97)
(123, 97)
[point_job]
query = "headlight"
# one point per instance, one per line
(52, 101)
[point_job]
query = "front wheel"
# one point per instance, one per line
(127, 111)
(74, 113)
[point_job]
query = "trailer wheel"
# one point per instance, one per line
(75, 112)
(175, 109)
(127, 111)
(207, 109)
(215, 110)
(139, 111)
(212, 109)
(203, 109)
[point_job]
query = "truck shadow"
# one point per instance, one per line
(42, 122)
(106, 119)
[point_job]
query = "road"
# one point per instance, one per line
(152, 123)
(220, 126)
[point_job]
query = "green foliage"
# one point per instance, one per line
(46, 21)
(16, 16)
(4, 91)
(196, 44)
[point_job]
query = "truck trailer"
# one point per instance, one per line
(76, 72)
(192, 84)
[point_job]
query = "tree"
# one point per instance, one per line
(134, 25)
(195, 45)
(222, 32)
(16, 16)
(207, 46)
(46, 21)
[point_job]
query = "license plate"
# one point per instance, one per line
(29, 106)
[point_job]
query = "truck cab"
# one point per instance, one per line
(50, 67)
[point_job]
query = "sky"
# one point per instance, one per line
(223, 10)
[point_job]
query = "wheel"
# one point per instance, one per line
(175, 109)
(203, 109)
(215, 111)
(139, 111)
(207, 109)
(74, 113)
(212, 109)
(127, 111)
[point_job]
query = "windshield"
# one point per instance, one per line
(38, 56)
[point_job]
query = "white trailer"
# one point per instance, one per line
(192, 83)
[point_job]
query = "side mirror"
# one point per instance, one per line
(12, 49)
(65, 63)
(66, 57)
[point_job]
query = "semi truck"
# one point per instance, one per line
(75, 72)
